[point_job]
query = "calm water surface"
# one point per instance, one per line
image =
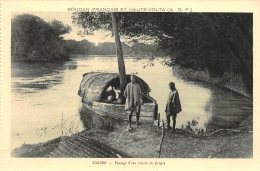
(45, 104)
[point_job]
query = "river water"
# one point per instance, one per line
(45, 104)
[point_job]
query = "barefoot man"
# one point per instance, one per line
(133, 97)
(173, 106)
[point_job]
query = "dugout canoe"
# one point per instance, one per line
(92, 89)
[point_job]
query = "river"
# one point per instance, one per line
(45, 104)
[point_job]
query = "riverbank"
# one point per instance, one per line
(227, 81)
(143, 143)
(39, 60)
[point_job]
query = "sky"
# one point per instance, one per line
(65, 17)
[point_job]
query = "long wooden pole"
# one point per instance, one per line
(161, 141)
(119, 54)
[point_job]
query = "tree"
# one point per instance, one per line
(34, 39)
(218, 43)
(215, 42)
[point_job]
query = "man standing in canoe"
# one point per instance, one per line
(173, 106)
(133, 95)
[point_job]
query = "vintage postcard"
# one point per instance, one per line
(112, 85)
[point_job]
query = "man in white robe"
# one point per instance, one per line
(133, 95)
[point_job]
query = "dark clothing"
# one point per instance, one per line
(173, 105)
(173, 114)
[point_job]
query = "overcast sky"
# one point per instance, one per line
(65, 17)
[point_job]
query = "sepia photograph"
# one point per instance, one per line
(143, 83)
(156, 85)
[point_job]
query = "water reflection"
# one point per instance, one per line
(28, 77)
(92, 120)
(228, 109)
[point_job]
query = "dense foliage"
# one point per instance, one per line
(213, 42)
(89, 48)
(34, 39)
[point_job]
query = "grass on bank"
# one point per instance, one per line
(229, 81)
(143, 143)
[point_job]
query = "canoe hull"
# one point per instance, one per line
(93, 87)
(148, 112)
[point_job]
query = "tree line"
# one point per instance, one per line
(108, 48)
(32, 38)
(89, 48)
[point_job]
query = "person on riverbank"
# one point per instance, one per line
(173, 106)
(133, 95)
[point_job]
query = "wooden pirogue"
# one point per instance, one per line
(92, 90)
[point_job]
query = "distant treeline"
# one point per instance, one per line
(108, 48)
(89, 48)
(32, 38)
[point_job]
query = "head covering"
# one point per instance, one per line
(133, 78)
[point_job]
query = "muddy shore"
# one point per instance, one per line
(143, 143)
